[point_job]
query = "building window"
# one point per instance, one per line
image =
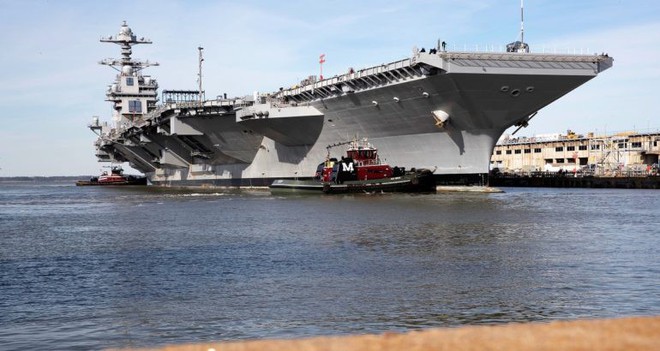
(537, 150)
(508, 152)
(559, 148)
(622, 145)
(517, 151)
(498, 152)
(636, 144)
(134, 106)
(559, 160)
(583, 147)
(129, 81)
(570, 160)
(528, 151)
(548, 161)
(595, 147)
(570, 148)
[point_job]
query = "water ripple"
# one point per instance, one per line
(87, 268)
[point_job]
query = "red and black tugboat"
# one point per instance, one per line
(360, 171)
(115, 177)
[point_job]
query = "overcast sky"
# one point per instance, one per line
(52, 83)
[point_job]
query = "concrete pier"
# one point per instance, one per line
(568, 181)
(629, 334)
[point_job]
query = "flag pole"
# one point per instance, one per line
(321, 60)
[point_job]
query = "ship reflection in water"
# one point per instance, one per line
(98, 267)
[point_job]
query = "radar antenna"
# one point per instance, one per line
(519, 45)
(126, 39)
(522, 21)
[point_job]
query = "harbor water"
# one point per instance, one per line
(97, 267)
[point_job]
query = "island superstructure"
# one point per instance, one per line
(436, 109)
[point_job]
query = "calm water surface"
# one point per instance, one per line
(88, 268)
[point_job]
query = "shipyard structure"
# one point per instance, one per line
(626, 154)
(435, 109)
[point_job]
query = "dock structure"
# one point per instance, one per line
(629, 334)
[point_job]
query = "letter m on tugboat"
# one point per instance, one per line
(347, 167)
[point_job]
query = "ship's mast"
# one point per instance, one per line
(519, 46)
(201, 59)
(132, 94)
(126, 40)
(522, 21)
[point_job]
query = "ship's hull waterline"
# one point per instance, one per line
(443, 111)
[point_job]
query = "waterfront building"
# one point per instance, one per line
(620, 154)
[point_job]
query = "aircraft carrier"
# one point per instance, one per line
(435, 109)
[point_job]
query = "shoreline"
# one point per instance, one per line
(569, 181)
(629, 333)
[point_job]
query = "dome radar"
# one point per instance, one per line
(125, 33)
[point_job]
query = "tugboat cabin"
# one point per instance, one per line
(362, 163)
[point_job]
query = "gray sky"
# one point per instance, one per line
(52, 83)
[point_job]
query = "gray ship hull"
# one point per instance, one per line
(404, 131)
(442, 111)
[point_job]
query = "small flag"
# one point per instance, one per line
(322, 58)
